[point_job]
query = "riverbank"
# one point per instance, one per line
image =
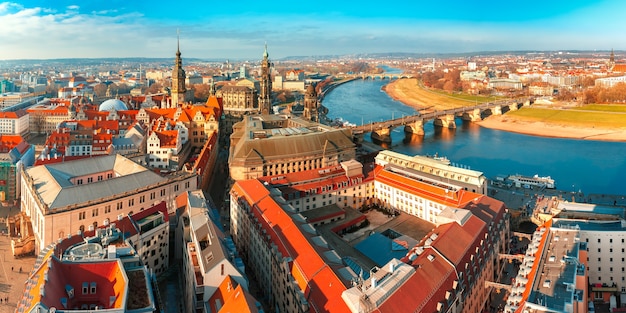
(538, 128)
(410, 93)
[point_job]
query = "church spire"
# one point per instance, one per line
(178, 43)
(178, 76)
(265, 84)
(611, 60)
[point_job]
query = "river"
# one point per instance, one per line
(595, 167)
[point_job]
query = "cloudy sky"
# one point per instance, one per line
(45, 29)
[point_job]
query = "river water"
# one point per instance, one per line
(576, 165)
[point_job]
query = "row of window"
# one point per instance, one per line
(131, 202)
(90, 179)
(600, 241)
(610, 250)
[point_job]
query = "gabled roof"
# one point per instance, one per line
(321, 286)
(215, 103)
(158, 112)
(10, 141)
(457, 242)
(232, 297)
(426, 288)
(168, 138)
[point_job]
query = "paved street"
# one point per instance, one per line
(11, 278)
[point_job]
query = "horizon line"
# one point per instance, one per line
(329, 55)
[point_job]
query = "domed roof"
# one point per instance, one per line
(113, 105)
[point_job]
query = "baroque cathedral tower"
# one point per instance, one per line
(311, 104)
(265, 84)
(178, 79)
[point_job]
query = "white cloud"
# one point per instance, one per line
(6, 6)
(44, 33)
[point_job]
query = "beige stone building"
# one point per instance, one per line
(265, 145)
(64, 198)
(238, 100)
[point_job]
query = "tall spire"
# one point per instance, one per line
(611, 63)
(178, 76)
(265, 94)
(177, 42)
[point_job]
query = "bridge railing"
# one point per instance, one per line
(428, 114)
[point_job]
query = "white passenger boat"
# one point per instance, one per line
(526, 181)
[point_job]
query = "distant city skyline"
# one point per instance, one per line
(43, 29)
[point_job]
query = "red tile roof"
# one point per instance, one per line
(8, 142)
(425, 190)
(313, 275)
(108, 276)
(621, 68)
(205, 154)
(168, 138)
(216, 103)
(160, 207)
(424, 289)
(232, 298)
(16, 114)
(303, 181)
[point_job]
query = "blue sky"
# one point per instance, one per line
(36, 29)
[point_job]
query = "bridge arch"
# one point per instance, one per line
(414, 124)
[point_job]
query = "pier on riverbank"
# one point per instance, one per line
(525, 203)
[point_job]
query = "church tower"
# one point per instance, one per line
(178, 79)
(611, 60)
(310, 104)
(265, 94)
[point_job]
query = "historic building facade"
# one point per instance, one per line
(446, 271)
(63, 198)
(264, 145)
(238, 100)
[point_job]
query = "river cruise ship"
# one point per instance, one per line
(526, 181)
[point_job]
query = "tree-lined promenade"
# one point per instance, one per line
(563, 120)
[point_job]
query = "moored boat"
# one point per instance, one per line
(527, 181)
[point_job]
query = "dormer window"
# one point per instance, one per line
(85, 288)
(93, 287)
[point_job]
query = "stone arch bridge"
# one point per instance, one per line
(381, 76)
(415, 123)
